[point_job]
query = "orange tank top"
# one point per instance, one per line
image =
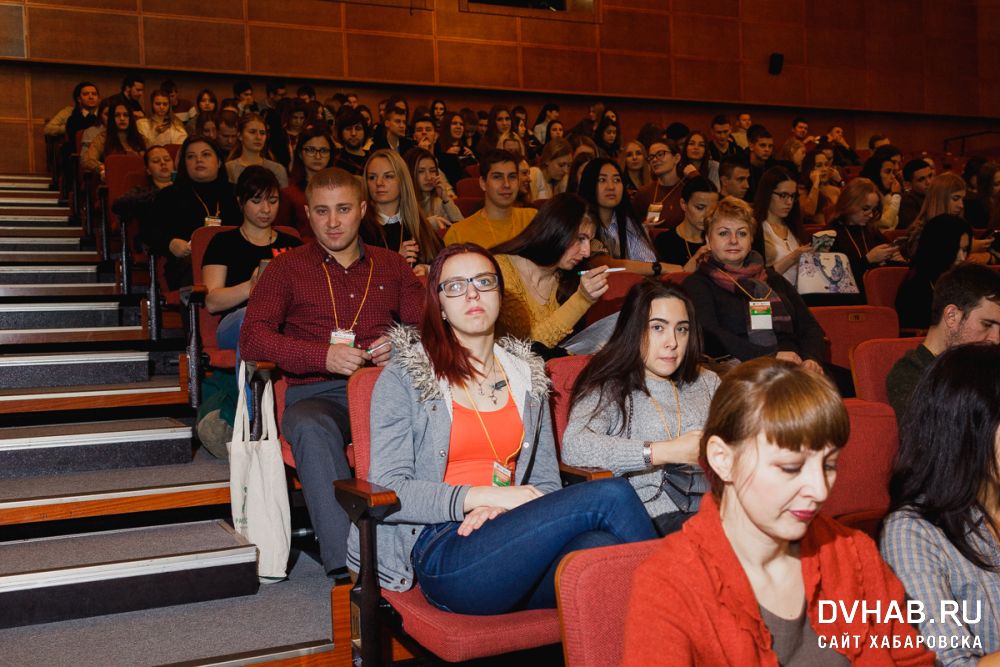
(470, 458)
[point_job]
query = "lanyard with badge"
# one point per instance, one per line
(760, 309)
(210, 219)
(503, 473)
(346, 336)
(655, 210)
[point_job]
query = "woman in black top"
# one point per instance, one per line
(747, 310)
(945, 242)
(452, 149)
(201, 195)
(685, 244)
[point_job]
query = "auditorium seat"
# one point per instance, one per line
(871, 362)
(882, 283)
(468, 187)
(611, 301)
(865, 463)
(846, 326)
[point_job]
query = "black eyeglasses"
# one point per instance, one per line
(456, 287)
(312, 150)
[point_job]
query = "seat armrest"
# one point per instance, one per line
(575, 474)
(193, 295)
(361, 499)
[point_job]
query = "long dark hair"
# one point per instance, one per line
(771, 179)
(183, 178)
(938, 246)
(298, 174)
(947, 451)
(623, 212)
(616, 145)
(618, 369)
(450, 359)
(112, 142)
(549, 235)
(873, 170)
(444, 140)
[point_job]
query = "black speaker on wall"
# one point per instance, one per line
(775, 63)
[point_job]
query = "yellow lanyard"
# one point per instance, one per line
(770, 290)
(855, 243)
(333, 302)
(204, 205)
(663, 416)
(486, 431)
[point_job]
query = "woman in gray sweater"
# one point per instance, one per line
(640, 404)
(461, 432)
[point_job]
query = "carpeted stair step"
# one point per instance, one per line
(78, 576)
(59, 289)
(113, 492)
(24, 182)
(28, 197)
(27, 275)
(35, 216)
(41, 232)
(35, 451)
(65, 315)
(70, 369)
(49, 256)
(38, 244)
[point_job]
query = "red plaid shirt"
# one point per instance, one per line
(289, 316)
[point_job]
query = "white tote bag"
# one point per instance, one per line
(825, 273)
(257, 487)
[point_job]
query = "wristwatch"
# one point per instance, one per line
(657, 268)
(647, 455)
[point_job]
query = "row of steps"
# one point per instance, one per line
(95, 427)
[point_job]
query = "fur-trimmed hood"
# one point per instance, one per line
(409, 353)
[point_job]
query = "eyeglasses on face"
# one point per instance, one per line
(313, 150)
(659, 155)
(784, 196)
(456, 287)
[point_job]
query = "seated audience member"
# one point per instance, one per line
(160, 128)
(620, 240)
(817, 190)
(393, 219)
(550, 176)
(201, 195)
(499, 220)
(695, 153)
(759, 157)
(640, 404)
(576, 168)
(312, 315)
(206, 104)
(734, 178)
(941, 535)
(292, 122)
(243, 93)
(524, 199)
(424, 132)
(438, 110)
(792, 154)
(231, 267)
(548, 113)
(468, 448)
(880, 169)
(965, 309)
(843, 154)
(207, 126)
(583, 144)
(431, 189)
(544, 296)
(55, 127)
(945, 243)
(608, 138)
(979, 206)
(121, 136)
(352, 133)
(917, 176)
(86, 113)
(252, 150)
(747, 574)
(739, 133)
(857, 235)
(137, 203)
(132, 89)
(659, 202)
(685, 245)
(392, 134)
(747, 310)
(554, 130)
(227, 126)
(945, 194)
(452, 150)
(99, 128)
(723, 146)
(313, 153)
(499, 123)
(635, 168)
(779, 232)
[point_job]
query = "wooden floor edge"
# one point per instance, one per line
(109, 507)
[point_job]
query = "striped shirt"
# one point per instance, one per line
(932, 570)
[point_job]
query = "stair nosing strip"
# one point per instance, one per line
(261, 656)
(112, 495)
(99, 438)
(81, 394)
(37, 240)
(27, 332)
(71, 358)
(59, 252)
(46, 307)
(124, 569)
(50, 269)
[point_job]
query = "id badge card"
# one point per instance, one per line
(653, 213)
(342, 337)
(212, 221)
(760, 316)
(502, 475)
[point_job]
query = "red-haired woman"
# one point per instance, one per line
(468, 448)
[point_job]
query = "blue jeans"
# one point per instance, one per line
(227, 336)
(510, 562)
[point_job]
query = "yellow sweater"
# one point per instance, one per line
(488, 233)
(521, 315)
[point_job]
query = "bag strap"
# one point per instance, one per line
(534, 445)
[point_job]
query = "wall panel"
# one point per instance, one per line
(71, 36)
(321, 13)
(192, 44)
(296, 51)
(12, 32)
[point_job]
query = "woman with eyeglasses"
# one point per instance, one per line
(483, 520)
(639, 405)
(658, 203)
(313, 153)
(776, 209)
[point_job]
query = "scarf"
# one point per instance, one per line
(750, 281)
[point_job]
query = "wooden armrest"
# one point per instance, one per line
(912, 332)
(261, 370)
(193, 294)
(364, 500)
(575, 474)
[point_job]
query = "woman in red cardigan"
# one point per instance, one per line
(757, 577)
